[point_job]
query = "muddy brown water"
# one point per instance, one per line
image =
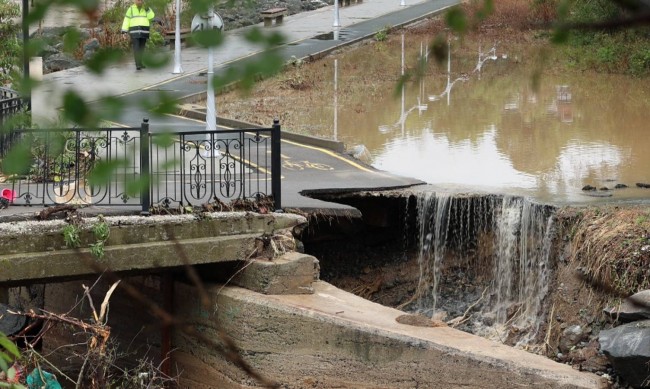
(490, 130)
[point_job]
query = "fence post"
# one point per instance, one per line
(145, 174)
(276, 166)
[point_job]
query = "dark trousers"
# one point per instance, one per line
(138, 49)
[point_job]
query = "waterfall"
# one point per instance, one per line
(502, 244)
(433, 238)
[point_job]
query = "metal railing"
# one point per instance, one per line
(181, 168)
(10, 104)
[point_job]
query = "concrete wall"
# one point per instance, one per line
(332, 339)
(36, 251)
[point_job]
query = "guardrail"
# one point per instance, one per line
(181, 168)
(10, 104)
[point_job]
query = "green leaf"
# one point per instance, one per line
(10, 347)
(164, 140)
(4, 366)
(135, 187)
(77, 111)
(104, 170)
(208, 38)
(71, 40)
(18, 160)
(162, 104)
(456, 20)
(486, 10)
(112, 107)
(37, 12)
(103, 58)
(156, 59)
(35, 46)
(401, 82)
(255, 35)
(439, 49)
(275, 39)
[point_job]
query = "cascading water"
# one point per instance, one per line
(498, 247)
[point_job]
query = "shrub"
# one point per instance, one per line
(10, 46)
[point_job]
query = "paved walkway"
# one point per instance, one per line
(358, 22)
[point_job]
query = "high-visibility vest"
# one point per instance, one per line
(137, 21)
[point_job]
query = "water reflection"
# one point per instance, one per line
(495, 133)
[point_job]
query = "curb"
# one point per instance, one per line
(336, 146)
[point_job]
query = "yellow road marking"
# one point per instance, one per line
(333, 154)
(324, 151)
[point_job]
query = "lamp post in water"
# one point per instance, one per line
(178, 68)
(213, 22)
(336, 98)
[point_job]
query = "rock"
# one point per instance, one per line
(92, 45)
(361, 153)
(635, 307)
(620, 186)
(417, 320)
(588, 358)
(58, 62)
(47, 51)
(628, 349)
(571, 336)
(588, 188)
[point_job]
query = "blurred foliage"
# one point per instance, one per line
(10, 45)
(8, 354)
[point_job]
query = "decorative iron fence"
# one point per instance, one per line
(181, 168)
(10, 104)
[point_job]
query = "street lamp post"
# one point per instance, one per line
(25, 26)
(337, 22)
(178, 68)
(212, 22)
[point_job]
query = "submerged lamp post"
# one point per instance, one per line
(211, 21)
(178, 68)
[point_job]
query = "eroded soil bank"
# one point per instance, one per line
(600, 255)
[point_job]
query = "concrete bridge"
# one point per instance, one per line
(291, 327)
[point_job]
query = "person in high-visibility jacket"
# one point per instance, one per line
(137, 22)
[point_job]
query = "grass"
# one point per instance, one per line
(612, 247)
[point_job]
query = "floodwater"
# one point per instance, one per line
(485, 128)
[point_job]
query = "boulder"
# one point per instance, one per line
(635, 307)
(628, 349)
(58, 62)
(92, 45)
(571, 336)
